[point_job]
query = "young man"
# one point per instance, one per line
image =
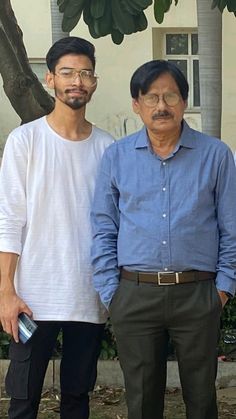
(46, 187)
(164, 249)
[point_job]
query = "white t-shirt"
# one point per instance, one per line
(46, 188)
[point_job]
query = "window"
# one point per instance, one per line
(182, 50)
(39, 67)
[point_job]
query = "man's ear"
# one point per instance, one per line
(50, 80)
(135, 104)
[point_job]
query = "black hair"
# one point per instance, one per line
(145, 75)
(69, 45)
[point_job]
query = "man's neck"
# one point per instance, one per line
(165, 143)
(69, 123)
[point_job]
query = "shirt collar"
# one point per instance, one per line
(186, 139)
(142, 140)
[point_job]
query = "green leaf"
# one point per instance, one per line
(104, 344)
(69, 23)
(104, 354)
(159, 10)
(141, 22)
(123, 21)
(86, 13)
(92, 30)
(214, 4)
(112, 353)
(97, 8)
(74, 8)
(167, 4)
(116, 36)
(60, 2)
(221, 5)
(4, 342)
(231, 5)
(144, 3)
(103, 25)
(62, 5)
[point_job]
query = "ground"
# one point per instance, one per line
(109, 403)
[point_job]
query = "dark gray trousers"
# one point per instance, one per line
(144, 316)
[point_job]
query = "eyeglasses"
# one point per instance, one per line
(170, 99)
(87, 77)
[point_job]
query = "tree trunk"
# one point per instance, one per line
(26, 94)
(56, 19)
(210, 66)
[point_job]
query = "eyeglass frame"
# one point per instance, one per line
(162, 97)
(76, 73)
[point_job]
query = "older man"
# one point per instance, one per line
(164, 251)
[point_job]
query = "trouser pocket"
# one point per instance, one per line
(17, 377)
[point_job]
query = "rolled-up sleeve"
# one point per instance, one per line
(226, 216)
(13, 195)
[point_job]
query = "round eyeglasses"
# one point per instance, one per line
(87, 77)
(170, 99)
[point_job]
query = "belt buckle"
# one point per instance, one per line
(159, 275)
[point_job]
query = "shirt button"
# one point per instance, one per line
(164, 242)
(165, 269)
(164, 189)
(163, 163)
(164, 215)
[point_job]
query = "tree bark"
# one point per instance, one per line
(26, 94)
(210, 66)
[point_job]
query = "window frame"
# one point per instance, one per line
(190, 58)
(39, 61)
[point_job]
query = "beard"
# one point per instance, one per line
(73, 102)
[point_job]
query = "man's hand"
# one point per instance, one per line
(224, 297)
(10, 304)
(10, 307)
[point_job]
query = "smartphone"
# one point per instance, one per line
(27, 327)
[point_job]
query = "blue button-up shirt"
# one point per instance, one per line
(173, 214)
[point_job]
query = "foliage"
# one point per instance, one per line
(4, 345)
(161, 7)
(120, 17)
(103, 17)
(22, 87)
(229, 315)
(222, 4)
(227, 344)
(108, 350)
(108, 347)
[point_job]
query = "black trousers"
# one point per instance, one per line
(78, 370)
(144, 316)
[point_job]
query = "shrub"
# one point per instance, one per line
(108, 347)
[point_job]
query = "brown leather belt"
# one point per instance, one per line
(167, 278)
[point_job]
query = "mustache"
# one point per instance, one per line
(75, 90)
(161, 114)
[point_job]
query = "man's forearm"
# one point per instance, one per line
(8, 263)
(11, 305)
